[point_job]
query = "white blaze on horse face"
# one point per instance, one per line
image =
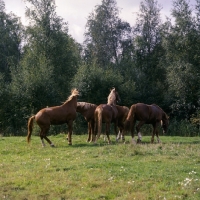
(139, 136)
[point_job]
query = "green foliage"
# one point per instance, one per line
(95, 83)
(11, 33)
(105, 34)
(182, 128)
(49, 62)
(149, 74)
(181, 57)
(151, 62)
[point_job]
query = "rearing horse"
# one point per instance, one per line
(66, 113)
(107, 113)
(146, 114)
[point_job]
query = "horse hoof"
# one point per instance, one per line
(52, 145)
(69, 143)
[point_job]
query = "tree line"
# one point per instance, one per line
(154, 61)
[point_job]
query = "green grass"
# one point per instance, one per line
(170, 170)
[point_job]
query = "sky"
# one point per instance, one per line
(76, 12)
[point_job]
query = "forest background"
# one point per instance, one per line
(151, 62)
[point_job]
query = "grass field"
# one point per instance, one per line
(169, 170)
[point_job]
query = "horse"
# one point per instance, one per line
(146, 114)
(87, 110)
(121, 117)
(107, 113)
(65, 113)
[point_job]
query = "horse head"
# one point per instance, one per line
(165, 123)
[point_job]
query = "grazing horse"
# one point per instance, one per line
(87, 110)
(65, 113)
(121, 117)
(146, 114)
(107, 113)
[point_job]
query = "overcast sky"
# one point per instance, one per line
(76, 12)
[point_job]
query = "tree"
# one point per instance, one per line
(11, 32)
(181, 56)
(49, 35)
(105, 33)
(149, 74)
(50, 60)
(95, 83)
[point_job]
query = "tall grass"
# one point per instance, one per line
(169, 170)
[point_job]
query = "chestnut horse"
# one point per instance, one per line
(66, 113)
(107, 113)
(146, 114)
(87, 110)
(121, 117)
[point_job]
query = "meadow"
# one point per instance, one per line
(169, 170)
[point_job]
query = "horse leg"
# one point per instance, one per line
(118, 136)
(70, 129)
(97, 135)
(107, 131)
(154, 132)
(132, 132)
(92, 131)
(44, 133)
(42, 140)
(138, 131)
(89, 132)
(49, 141)
(158, 139)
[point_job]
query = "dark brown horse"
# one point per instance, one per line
(146, 114)
(87, 110)
(66, 113)
(107, 113)
(121, 117)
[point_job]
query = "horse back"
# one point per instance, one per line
(55, 115)
(144, 112)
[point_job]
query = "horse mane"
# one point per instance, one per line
(74, 92)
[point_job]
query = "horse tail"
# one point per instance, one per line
(130, 118)
(98, 121)
(30, 128)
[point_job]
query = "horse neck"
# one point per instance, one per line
(71, 103)
(111, 101)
